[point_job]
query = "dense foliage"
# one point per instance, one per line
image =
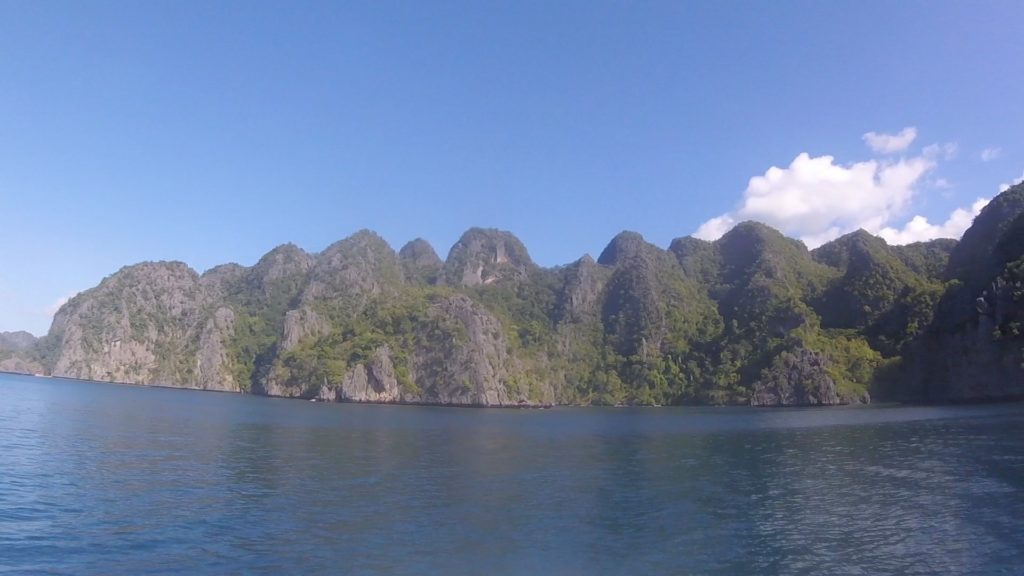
(700, 323)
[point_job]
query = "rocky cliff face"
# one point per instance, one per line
(974, 347)
(20, 365)
(348, 273)
(140, 325)
(798, 378)
(214, 361)
(473, 366)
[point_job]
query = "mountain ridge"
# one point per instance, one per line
(751, 318)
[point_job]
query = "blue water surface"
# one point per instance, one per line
(102, 478)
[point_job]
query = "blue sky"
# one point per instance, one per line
(212, 132)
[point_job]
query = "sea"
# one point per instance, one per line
(114, 479)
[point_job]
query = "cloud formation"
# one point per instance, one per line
(945, 151)
(1014, 182)
(919, 229)
(990, 154)
(881, 143)
(817, 200)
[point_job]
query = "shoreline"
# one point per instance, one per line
(546, 406)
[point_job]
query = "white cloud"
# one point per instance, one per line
(919, 229)
(941, 184)
(1005, 187)
(990, 154)
(946, 151)
(715, 228)
(818, 200)
(890, 143)
(53, 308)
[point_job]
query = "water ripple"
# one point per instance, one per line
(99, 479)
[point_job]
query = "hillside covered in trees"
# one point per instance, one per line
(752, 318)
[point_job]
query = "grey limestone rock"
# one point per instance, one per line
(581, 293)
(472, 366)
(797, 378)
(372, 382)
(302, 323)
(484, 256)
(140, 325)
(352, 270)
(20, 365)
(214, 364)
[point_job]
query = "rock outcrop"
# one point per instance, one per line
(140, 325)
(214, 362)
(484, 256)
(19, 365)
(374, 381)
(798, 378)
(420, 263)
(300, 324)
(470, 365)
(350, 272)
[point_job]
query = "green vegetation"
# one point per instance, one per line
(699, 323)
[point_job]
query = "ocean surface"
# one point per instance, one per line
(110, 479)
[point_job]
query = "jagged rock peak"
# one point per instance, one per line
(353, 268)
(687, 245)
(750, 239)
(486, 255)
(419, 252)
(756, 233)
(284, 260)
(363, 240)
(220, 279)
(284, 252)
(745, 244)
(857, 244)
(420, 263)
(162, 269)
(699, 258)
(229, 270)
(624, 245)
(582, 289)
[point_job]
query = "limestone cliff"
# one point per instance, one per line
(974, 348)
(139, 325)
(799, 378)
(753, 317)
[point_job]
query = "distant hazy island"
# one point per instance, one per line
(752, 318)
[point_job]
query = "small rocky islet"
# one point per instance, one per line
(751, 318)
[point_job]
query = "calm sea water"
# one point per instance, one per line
(100, 478)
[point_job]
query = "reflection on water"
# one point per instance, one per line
(103, 478)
